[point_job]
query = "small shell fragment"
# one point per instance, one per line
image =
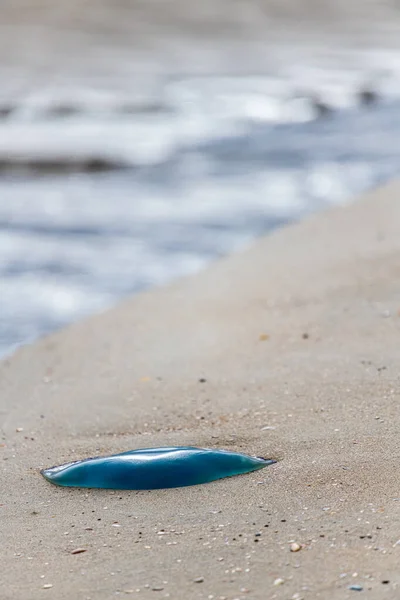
(78, 551)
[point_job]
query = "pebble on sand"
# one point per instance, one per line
(47, 586)
(356, 588)
(295, 547)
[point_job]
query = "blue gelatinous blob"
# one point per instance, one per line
(154, 468)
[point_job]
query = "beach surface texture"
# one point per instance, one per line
(289, 350)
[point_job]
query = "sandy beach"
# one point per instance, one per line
(296, 341)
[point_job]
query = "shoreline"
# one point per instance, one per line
(297, 341)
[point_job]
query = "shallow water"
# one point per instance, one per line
(111, 183)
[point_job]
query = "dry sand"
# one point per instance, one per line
(319, 390)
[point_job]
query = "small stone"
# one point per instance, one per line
(47, 586)
(157, 588)
(295, 547)
(199, 580)
(78, 551)
(279, 581)
(356, 588)
(19, 429)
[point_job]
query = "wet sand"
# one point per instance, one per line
(289, 350)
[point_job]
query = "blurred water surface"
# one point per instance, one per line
(131, 155)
